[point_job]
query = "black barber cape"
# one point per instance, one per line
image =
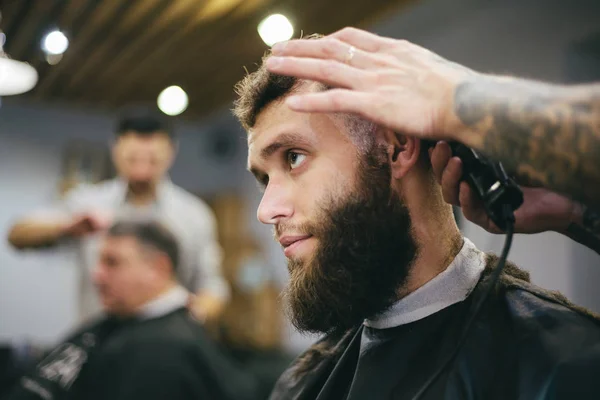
(168, 357)
(527, 344)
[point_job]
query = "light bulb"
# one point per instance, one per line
(172, 101)
(275, 28)
(55, 43)
(16, 77)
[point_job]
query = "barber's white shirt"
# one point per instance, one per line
(189, 219)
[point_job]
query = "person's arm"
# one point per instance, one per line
(547, 135)
(585, 227)
(35, 233)
(47, 227)
(542, 210)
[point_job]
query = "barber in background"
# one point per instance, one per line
(143, 151)
(548, 135)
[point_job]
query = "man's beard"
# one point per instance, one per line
(364, 253)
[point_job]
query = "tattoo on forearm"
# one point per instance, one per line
(588, 232)
(546, 135)
(591, 220)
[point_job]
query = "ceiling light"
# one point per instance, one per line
(55, 43)
(15, 77)
(275, 28)
(173, 100)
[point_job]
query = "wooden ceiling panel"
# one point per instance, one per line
(125, 63)
(9, 12)
(124, 51)
(180, 41)
(118, 35)
(83, 35)
(14, 13)
(198, 55)
(29, 27)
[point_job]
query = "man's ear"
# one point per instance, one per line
(162, 263)
(403, 152)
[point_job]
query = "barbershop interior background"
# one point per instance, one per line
(123, 51)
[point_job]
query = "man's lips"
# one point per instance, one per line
(287, 241)
(292, 244)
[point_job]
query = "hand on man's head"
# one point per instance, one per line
(393, 83)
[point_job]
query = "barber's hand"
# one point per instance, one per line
(391, 82)
(206, 307)
(86, 223)
(542, 210)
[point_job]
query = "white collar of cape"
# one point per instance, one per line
(451, 286)
(164, 304)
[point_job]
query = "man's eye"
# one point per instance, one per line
(295, 159)
(110, 261)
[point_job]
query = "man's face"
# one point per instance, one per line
(124, 276)
(345, 233)
(141, 159)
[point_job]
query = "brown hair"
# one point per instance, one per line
(257, 90)
(260, 88)
(150, 233)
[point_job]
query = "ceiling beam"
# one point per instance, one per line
(196, 28)
(81, 45)
(46, 23)
(69, 22)
(15, 21)
(24, 33)
(134, 21)
(249, 47)
(121, 64)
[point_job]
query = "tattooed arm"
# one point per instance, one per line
(585, 228)
(542, 209)
(547, 135)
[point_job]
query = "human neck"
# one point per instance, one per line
(436, 234)
(157, 292)
(161, 290)
(152, 294)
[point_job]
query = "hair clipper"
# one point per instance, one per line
(490, 182)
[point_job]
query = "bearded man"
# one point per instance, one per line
(378, 265)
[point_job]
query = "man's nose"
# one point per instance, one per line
(275, 204)
(141, 167)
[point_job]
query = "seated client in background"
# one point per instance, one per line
(148, 345)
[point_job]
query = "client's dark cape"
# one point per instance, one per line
(527, 343)
(169, 357)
